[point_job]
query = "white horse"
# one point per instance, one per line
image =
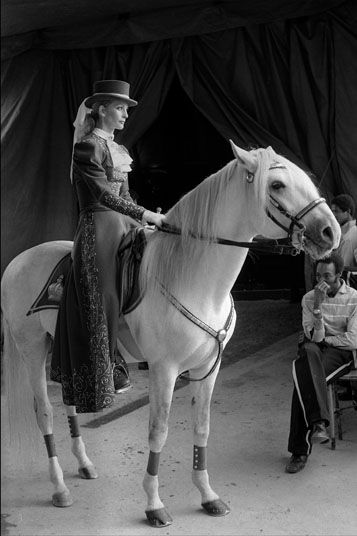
(186, 316)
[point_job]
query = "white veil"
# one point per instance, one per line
(83, 125)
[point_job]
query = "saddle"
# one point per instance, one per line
(130, 255)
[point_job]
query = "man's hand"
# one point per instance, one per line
(320, 292)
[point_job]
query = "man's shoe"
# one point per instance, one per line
(319, 433)
(296, 463)
(121, 379)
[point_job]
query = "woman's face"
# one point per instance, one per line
(113, 116)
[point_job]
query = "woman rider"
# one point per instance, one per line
(87, 326)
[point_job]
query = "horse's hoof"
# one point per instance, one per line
(216, 508)
(88, 472)
(159, 517)
(62, 499)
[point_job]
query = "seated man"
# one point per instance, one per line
(329, 318)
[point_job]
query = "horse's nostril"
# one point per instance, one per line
(327, 233)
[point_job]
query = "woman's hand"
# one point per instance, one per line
(153, 218)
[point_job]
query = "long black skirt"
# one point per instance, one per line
(87, 326)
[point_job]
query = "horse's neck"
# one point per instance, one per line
(215, 281)
(201, 271)
(217, 271)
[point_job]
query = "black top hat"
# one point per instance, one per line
(105, 89)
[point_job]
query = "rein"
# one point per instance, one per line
(268, 245)
(219, 335)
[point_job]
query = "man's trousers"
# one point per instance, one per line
(317, 365)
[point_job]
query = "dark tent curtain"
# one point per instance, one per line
(65, 24)
(289, 84)
(46, 90)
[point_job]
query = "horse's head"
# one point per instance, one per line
(292, 205)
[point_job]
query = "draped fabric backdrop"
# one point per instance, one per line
(289, 82)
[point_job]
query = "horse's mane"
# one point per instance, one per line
(170, 259)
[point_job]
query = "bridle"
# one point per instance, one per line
(282, 246)
(295, 221)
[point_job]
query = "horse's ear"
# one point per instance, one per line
(271, 151)
(245, 157)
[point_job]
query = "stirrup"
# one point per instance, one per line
(122, 369)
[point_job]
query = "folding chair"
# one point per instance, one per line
(334, 403)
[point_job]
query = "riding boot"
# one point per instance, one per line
(120, 374)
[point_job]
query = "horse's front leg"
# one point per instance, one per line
(200, 410)
(162, 384)
(86, 468)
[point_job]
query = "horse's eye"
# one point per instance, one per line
(277, 185)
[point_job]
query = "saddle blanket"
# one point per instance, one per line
(130, 256)
(51, 294)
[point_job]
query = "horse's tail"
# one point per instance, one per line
(19, 427)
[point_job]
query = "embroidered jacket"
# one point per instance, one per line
(94, 177)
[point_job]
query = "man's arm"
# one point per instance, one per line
(313, 324)
(347, 340)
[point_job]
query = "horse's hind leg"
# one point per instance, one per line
(200, 408)
(86, 468)
(36, 367)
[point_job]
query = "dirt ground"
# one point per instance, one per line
(260, 324)
(250, 414)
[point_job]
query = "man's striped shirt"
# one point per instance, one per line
(339, 315)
